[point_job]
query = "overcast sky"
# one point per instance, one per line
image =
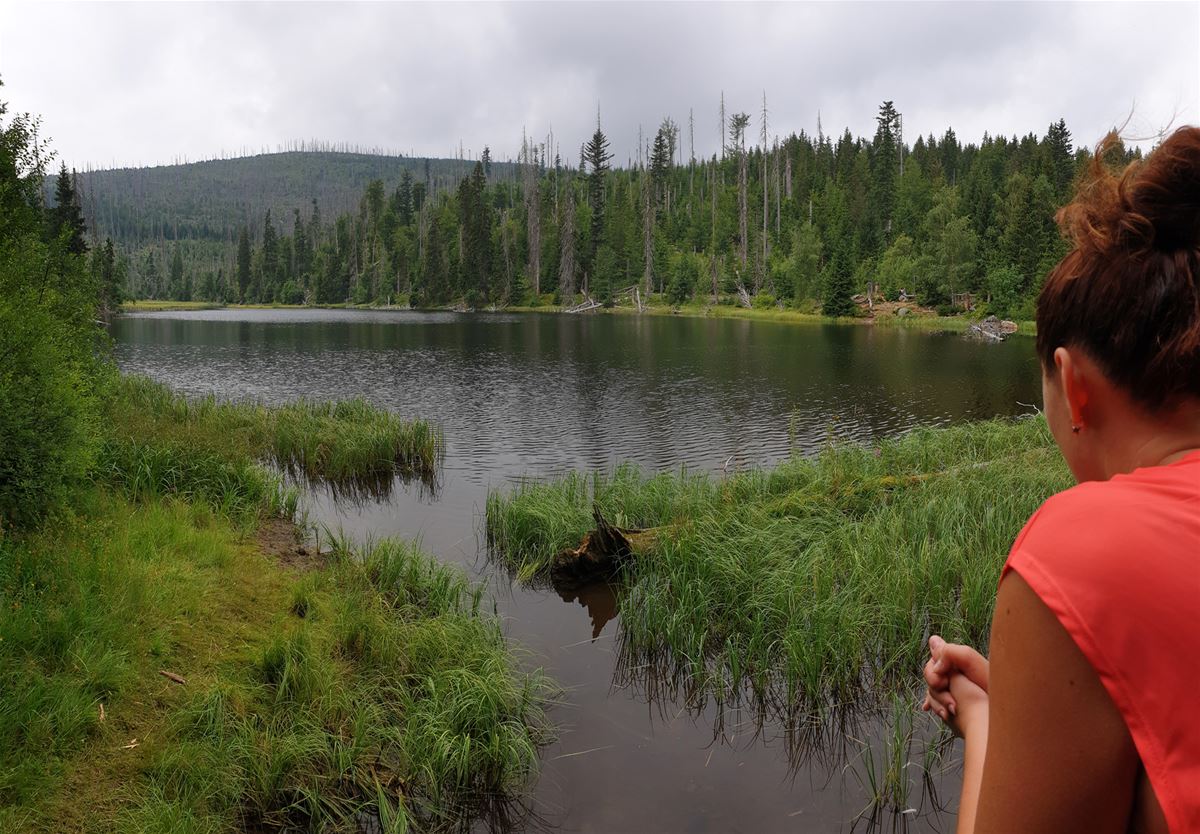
(148, 83)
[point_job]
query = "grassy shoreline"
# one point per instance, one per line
(924, 322)
(812, 584)
(366, 681)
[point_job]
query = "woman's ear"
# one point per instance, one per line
(1074, 385)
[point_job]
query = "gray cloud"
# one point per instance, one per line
(144, 83)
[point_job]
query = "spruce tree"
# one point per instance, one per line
(885, 163)
(175, 288)
(243, 265)
(597, 157)
(270, 260)
(65, 219)
(1061, 158)
(839, 287)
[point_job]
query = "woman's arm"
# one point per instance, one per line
(1051, 753)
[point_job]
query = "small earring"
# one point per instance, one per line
(1076, 429)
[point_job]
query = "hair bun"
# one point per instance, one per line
(1152, 205)
(1166, 192)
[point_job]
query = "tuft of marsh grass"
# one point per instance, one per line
(351, 444)
(238, 488)
(814, 583)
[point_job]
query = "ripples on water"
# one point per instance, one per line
(537, 395)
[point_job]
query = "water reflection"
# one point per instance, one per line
(600, 600)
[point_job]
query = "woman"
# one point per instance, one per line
(1086, 716)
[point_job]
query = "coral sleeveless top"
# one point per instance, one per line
(1118, 562)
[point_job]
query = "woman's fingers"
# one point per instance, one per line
(947, 658)
(964, 659)
(937, 704)
(935, 678)
(944, 699)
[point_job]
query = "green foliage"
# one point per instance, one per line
(683, 280)
(1004, 286)
(898, 267)
(764, 301)
(52, 376)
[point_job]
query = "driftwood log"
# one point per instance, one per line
(601, 555)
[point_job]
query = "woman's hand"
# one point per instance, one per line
(970, 705)
(946, 660)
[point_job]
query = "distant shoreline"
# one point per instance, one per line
(918, 321)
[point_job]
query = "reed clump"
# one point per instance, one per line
(811, 584)
(339, 443)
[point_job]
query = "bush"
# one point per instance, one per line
(764, 301)
(51, 373)
(48, 432)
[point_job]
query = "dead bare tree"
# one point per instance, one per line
(712, 249)
(737, 132)
(533, 215)
(760, 277)
(648, 235)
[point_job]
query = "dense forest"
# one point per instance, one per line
(805, 221)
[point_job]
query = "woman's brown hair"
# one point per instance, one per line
(1128, 294)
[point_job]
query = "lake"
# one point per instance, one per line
(535, 395)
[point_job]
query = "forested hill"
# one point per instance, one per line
(212, 200)
(801, 220)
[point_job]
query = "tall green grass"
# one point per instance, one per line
(813, 584)
(344, 443)
(393, 698)
(86, 605)
(374, 688)
(239, 489)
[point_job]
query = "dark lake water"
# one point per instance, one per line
(536, 395)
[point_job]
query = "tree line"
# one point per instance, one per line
(806, 221)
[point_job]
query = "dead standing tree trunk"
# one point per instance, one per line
(533, 218)
(647, 236)
(761, 276)
(566, 271)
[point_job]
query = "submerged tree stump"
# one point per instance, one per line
(601, 555)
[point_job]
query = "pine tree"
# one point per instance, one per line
(404, 199)
(65, 219)
(176, 287)
(839, 287)
(107, 276)
(683, 279)
(597, 157)
(270, 260)
(243, 265)
(884, 167)
(1061, 158)
(476, 224)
